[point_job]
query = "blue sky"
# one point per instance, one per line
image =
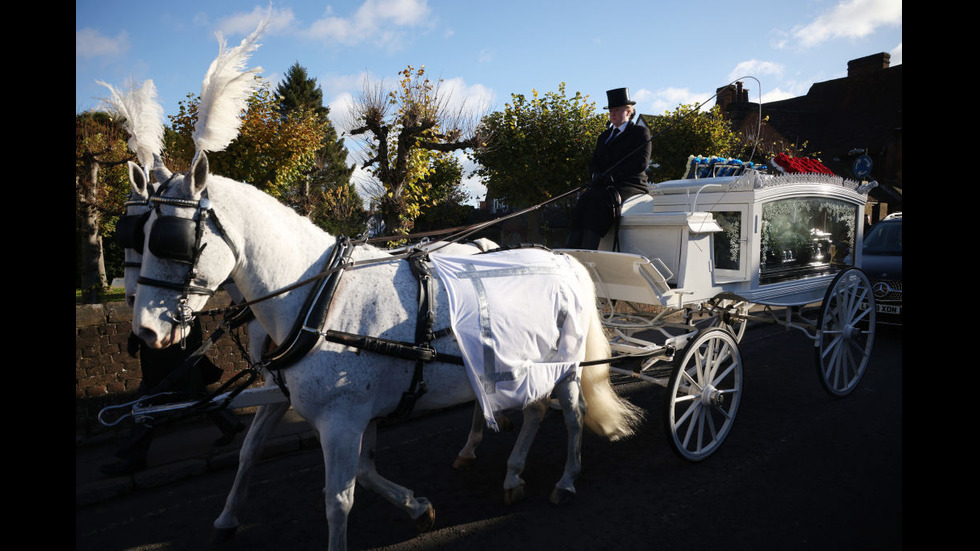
(667, 53)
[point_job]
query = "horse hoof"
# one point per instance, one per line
(514, 495)
(462, 463)
(561, 497)
(426, 520)
(223, 535)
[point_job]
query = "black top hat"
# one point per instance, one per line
(618, 98)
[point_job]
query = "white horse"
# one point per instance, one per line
(141, 114)
(142, 117)
(265, 247)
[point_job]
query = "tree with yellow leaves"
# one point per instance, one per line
(406, 133)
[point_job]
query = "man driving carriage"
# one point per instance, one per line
(617, 169)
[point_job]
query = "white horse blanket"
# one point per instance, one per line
(517, 319)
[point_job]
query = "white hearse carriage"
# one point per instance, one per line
(687, 267)
(699, 257)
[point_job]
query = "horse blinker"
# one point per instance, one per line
(129, 231)
(174, 238)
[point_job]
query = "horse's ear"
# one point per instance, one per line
(198, 174)
(137, 178)
(160, 171)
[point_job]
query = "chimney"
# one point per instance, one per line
(868, 64)
(729, 95)
(741, 94)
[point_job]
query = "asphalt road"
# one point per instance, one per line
(800, 470)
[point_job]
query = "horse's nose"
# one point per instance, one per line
(131, 300)
(150, 337)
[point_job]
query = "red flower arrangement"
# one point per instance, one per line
(792, 165)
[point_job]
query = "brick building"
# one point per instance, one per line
(846, 122)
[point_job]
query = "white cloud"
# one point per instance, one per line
(896, 54)
(756, 68)
(850, 19)
(340, 107)
(342, 90)
(779, 40)
(775, 95)
(472, 99)
(90, 43)
(475, 190)
(244, 23)
(661, 101)
(377, 21)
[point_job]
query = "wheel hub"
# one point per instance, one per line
(711, 396)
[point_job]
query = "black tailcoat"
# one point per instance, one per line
(618, 171)
(624, 159)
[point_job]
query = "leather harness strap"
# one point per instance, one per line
(308, 329)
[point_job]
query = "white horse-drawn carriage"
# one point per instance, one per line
(363, 333)
(727, 250)
(704, 248)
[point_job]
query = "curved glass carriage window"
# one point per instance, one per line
(806, 237)
(728, 243)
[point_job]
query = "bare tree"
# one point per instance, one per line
(403, 132)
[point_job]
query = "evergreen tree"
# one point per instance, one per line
(326, 196)
(299, 91)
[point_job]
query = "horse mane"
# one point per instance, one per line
(260, 205)
(225, 92)
(142, 117)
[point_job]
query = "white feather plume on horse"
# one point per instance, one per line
(225, 92)
(143, 118)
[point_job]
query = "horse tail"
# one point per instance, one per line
(607, 414)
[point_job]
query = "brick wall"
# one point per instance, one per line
(105, 373)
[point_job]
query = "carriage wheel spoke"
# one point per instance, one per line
(692, 382)
(693, 414)
(689, 411)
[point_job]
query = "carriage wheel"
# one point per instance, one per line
(704, 393)
(847, 332)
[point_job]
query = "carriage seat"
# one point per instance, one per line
(625, 276)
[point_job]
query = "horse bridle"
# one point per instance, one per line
(178, 239)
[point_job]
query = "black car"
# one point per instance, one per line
(882, 262)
